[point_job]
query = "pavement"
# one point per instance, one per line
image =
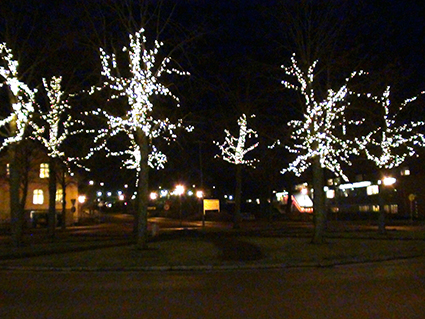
(253, 246)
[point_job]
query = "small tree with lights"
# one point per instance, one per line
(54, 129)
(233, 150)
(390, 144)
(14, 130)
(319, 138)
(138, 124)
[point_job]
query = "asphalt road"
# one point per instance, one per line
(393, 289)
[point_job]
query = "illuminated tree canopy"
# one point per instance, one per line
(57, 122)
(139, 88)
(320, 133)
(234, 149)
(22, 98)
(390, 144)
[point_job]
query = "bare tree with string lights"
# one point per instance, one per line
(138, 124)
(14, 130)
(319, 139)
(55, 126)
(233, 150)
(390, 144)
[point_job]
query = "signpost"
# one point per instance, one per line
(210, 204)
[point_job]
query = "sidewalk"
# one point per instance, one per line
(196, 249)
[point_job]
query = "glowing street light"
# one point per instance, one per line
(179, 190)
(153, 196)
(387, 181)
(200, 194)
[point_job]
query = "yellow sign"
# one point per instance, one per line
(211, 204)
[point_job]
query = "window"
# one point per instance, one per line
(405, 171)
(364, 208)
(372, 190)
(59, 195)
(393, 209)
(38, 197)
(330, 193)
(44, 170)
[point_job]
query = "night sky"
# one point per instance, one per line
(233, 50)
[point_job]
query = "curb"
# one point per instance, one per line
(212, 267)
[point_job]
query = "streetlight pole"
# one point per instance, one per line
(200, 195)
(180, 191)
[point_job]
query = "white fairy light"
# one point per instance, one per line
(56, 128)
(389, 145)
(23, 97)
(138, 88)
(316, 134)
(233, 150)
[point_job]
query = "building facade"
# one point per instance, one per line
(34, 170)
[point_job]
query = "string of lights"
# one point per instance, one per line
(23, 99)
(320, 133)
(139, 88)
(233, 149)
(55, 128)
(389, 145)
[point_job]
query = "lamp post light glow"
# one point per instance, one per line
(153, 196)
(179, 190)
(200, 194)
(387, 181)
(81, 199)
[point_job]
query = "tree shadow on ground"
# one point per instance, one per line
(235, 250)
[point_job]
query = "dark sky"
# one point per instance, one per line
(234, 50)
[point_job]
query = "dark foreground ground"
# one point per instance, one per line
(189, 246)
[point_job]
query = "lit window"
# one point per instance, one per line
(394, 209)
(38, 197)
(7, 169)
(372, 190)
(44, 170)
(405, 172)
(59, 195)
(364, 208)
(330, 193)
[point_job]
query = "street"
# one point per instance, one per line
(393, 289)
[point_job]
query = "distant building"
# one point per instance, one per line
(34, 167)
(401, 193)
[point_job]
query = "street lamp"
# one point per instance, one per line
(179, 190)
(200, 196)
(388, 181)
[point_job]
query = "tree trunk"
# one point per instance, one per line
(381, 217)
(319, 203)
(15, 206)
(52, 197)
(142, 191)
(237, 217)
(63, 184)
